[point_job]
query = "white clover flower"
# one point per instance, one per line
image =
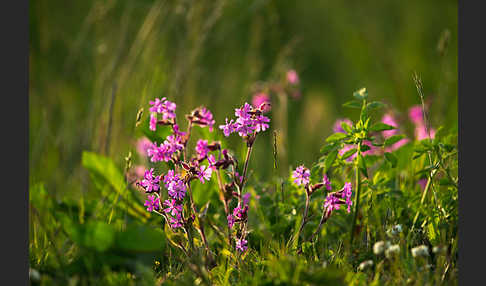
(439, 249)
(394, 230)
(421, 250)
(392, 250)
(365, 264)
(380, 247)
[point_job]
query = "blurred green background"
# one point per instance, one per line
(211, 53)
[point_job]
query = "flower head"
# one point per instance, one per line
(175, 185)
(150, 182)
(153, 122)
(231, 220)
(204, 173)
(415, 114)
(241, 245)
(202, 148)
(164, 107)
(259, 99)
(301, 175)
(172, 207)
(326, 182)
(292, 77)
(143, 144)
(228, 128)
(152, 203)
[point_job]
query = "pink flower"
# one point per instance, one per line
(228, 128)
(422, 183)
(415, 114)
(259, 99)
(331, 203)
(292, 77)
(206, 118)
(337, 125)
(241, 245)
(150, 182)
(175, 185)
(172, 207)
(231, 220)
(326, 182)
(202, 148)
(204, 173)
(153, 122)
(152, 203)
(164, 107)
(421, 133)
(390, 120)
(301, 175)
(176, 221)
(142, 145)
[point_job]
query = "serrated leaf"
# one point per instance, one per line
(393, 139)
(336, 137)
(352, 104)
(391, 158)
(380, 126)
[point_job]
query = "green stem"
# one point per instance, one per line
(356, 198)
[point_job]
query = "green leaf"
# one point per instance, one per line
(393, 139)
(105, 167)
(349, 153)
(380, 126)
(329, 160)
(391, 158)
(361, 94)
(374, 105)
(346, 127)
(327, 148)
(352, 104)
(336, 137)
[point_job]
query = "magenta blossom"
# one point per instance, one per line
(337, 125)
(142, 145)
(241, 245)
(390, 120)
(153, 122)
(248, 122)
(206, 118)
(228, 128)
(422, 183)
(260, 98)
(292, 77)
(164, 107)
(172, 207)
(175, 185)
(301, 175)
(415, 114)
(152, 203)
(326, 182)
(176, 221)
(231, 220)
(331, 203)
(150, 182)
(421, 132)
(347, 192)
(202, 148)
(204, 173)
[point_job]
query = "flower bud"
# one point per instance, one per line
(365, 265)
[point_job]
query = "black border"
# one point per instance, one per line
(14, 25)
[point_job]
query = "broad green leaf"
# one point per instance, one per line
(336, 137)
(375, 105)
(99, 235)
(380, 126)
(327, 148)
(352, 104)
(346, 127)
(393, 139)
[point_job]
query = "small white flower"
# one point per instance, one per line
(392, 250)
(365, 264)
(421, 250)
(380, 247)
(439, 249)
(394, 230)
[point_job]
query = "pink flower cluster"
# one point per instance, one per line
(389, 119)
(259, 99)
(164, 152)
(301, 175)
(334, 200)
(163, 107)
(249, 122)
